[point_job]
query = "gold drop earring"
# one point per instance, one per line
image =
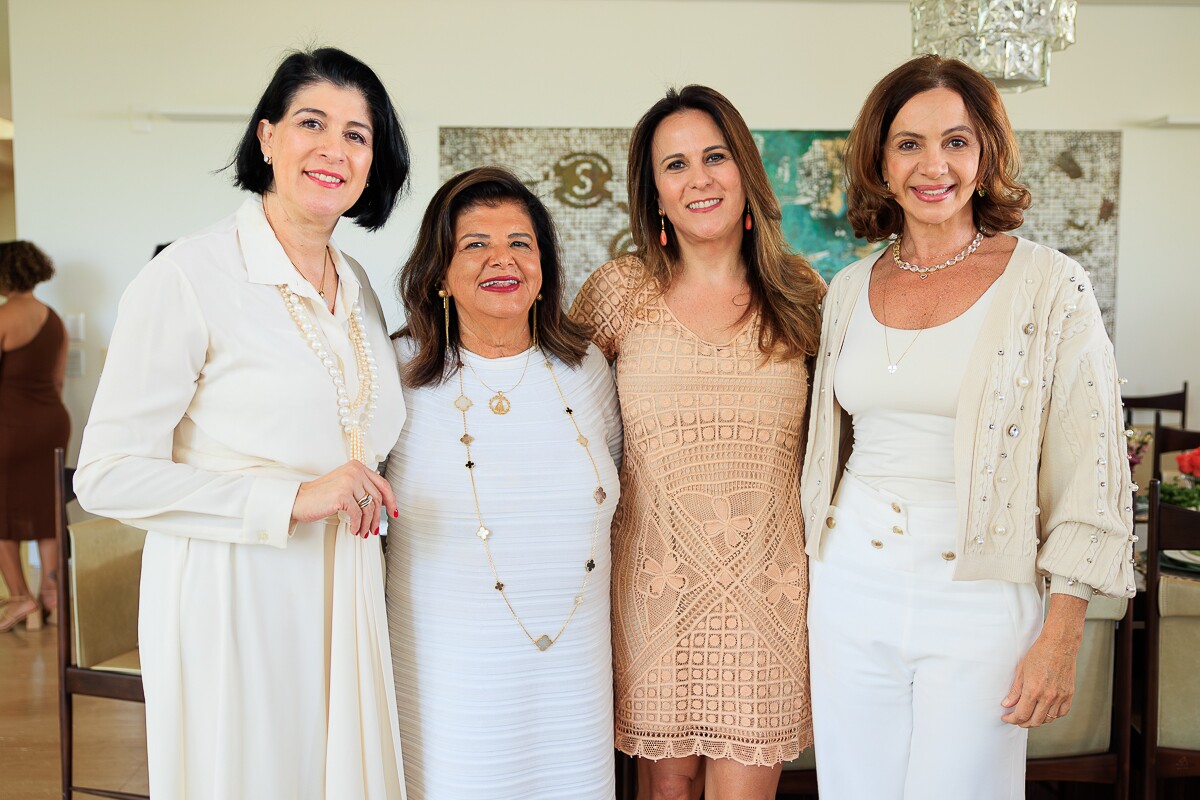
(535, 302)
(442, 293)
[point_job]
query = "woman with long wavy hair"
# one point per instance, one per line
(710, 325)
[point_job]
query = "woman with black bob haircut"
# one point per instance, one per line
(240, 420)
(506, 477)
(388, 176)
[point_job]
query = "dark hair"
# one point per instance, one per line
(388, 176)
(871, 208)
(785, 288)
(23, 266)
(423, 274)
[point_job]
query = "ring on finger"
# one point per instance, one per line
(365, 500)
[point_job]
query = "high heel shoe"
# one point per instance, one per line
(22, 608)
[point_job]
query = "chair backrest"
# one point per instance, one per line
(1172, 401)
(1171, 440)
(105, 573)
(1170, 528)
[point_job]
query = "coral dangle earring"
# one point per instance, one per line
(662, 233)
(749, 222)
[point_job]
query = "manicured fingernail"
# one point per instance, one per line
(396, 513)
(377, 531)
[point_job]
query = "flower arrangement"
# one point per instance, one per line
(1184, 490)
(1137, 442)
(1189, 463)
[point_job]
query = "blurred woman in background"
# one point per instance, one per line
(33, 422)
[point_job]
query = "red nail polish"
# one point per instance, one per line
(396, 513)
(377, 531)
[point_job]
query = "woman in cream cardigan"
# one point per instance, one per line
(974, 372)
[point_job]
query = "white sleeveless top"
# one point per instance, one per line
(904, 417)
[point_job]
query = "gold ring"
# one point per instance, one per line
(365, 500)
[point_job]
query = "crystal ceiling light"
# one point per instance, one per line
(1009, 41)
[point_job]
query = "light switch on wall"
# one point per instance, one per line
(75, 327)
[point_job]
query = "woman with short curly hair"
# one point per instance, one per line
(33, 421)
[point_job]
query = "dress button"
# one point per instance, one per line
(878, 545)
(263, 536)
(830, 522)
(896, 507)
(897, 530)
(948, 555)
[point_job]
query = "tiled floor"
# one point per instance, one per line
(110, 736)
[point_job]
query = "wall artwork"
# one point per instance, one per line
(579, 173)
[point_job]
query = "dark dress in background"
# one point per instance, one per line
(33, 421)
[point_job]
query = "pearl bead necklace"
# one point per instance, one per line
(355, 415)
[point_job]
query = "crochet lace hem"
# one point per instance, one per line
(751, 755)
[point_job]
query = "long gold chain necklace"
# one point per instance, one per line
(354, 415)
(499, 403)
(463, 404)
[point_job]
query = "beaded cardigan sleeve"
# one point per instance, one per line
(1084, 488)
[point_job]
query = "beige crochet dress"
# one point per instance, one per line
(710, 584)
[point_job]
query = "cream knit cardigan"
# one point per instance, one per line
(1040, 462)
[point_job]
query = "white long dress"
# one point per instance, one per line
(483, 712)
(264, 650)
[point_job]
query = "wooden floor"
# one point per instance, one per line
(110, 736)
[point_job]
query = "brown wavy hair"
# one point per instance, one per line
(784, 288)
(872, 210)
(425, 272)
(23, 266)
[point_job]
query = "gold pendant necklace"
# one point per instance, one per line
(463, 404)
(499, 403)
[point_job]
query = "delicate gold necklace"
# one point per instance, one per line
(353, 415)
(463, 404)
(499, 404)
(925, 272)
(895, 365)
(324, 261)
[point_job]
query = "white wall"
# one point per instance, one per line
(98, 194)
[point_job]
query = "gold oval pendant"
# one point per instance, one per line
(499, 404)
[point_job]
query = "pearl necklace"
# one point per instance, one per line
(355, 415)
(463, 404)
(925, 272)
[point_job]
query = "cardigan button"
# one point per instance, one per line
(830, 522)
(1022, 381)
(896, 529)
(1014, 431)
(1029, 328)
(878, 545)
(948, 555)
(896, 507)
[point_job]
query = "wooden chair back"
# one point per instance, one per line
(72, 678)
(1170, 528)
(1172, 401)
(1171, 440)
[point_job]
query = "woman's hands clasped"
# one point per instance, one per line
(352, 489)
(1045, 682)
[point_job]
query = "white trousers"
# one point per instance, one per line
(908, 666)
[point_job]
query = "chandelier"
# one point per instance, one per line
(1009, 41)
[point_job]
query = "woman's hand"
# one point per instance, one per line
(342, 491)
(1045, 681)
